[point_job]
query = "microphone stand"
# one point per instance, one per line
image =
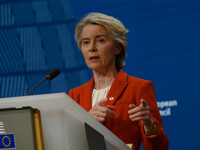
(51, 75)
(36, 86)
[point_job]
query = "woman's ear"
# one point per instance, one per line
(118, 49)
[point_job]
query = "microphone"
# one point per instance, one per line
(50, 75)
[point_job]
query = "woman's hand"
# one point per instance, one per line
(100, 112)
(140, 112)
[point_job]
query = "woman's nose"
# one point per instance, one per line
(93, 47)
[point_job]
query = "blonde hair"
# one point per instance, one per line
(115, 28)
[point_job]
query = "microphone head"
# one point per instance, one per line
(52, 74)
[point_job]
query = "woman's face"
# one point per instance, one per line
(98, 48)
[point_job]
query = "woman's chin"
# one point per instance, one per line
(95, 67)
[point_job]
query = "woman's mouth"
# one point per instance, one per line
(94, 58)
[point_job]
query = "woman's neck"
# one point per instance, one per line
(103, 79)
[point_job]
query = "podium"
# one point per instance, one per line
(63, 122)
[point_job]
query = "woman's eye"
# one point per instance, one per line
(85, 42)
(101, 41)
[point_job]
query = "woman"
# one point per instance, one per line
(126, 105)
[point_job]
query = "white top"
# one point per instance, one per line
(100, 94)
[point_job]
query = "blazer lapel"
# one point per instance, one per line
(117, 88)
(86, 95)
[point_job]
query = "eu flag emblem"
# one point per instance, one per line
(7, 141)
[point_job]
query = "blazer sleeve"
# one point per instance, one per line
(160, 141)
(70, 93)
(74, 94)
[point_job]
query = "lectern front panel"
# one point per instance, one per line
(17, 129)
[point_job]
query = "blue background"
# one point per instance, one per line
(163, 46)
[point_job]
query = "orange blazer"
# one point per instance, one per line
(127, 90)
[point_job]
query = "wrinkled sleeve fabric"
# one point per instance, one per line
(160, 141)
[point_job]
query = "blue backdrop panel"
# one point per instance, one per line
(35, 37)
(13, 85)
(33, 52)
(10, 59)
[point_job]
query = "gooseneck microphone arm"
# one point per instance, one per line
(36, 86)
(51, 75)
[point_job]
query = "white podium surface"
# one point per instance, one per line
(63, 122)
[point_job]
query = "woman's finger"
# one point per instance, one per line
(140, 118)
(143, 103)
(106, 110)
(140, 114)
(102, 101)
(110, 107)
(137, 109)
(101, 119)
(132, 106)
(100, 116)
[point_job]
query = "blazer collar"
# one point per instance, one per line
(118, 86)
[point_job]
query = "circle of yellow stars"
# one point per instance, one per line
(6, 145)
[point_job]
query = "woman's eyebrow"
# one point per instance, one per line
(101, 35)
(85, 39)
(97, 36)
